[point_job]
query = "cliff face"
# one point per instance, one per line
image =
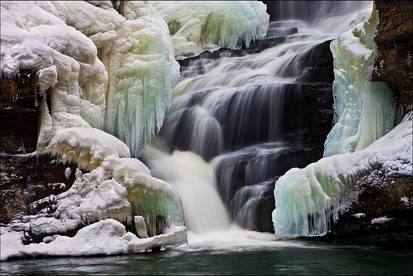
(24, 177)
(394, 40)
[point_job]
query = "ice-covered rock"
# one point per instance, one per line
(105, 237)
(195, 26)
(364, 110)
(305, 199)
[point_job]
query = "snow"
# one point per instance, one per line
(107, 237)
(196, 26)
(405, 201)
(359, 215)
(306, 198)
(87, 147)
(68, 172)
(380, 220)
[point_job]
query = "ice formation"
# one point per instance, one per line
(306, 199)
(195, 26)
(142, 72)
(105, 237)
(364, 110)
(90, 60)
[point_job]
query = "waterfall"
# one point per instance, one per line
(247, 116)
(194, 181)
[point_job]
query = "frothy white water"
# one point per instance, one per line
(194, 181)
(206, 217)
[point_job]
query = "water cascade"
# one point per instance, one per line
(253, 114)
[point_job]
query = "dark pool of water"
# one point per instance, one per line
(331, 261)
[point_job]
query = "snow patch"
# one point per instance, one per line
(359, 215)
(380, 220)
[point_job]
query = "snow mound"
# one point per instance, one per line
(107, 237)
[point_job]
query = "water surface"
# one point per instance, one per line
(281, 261)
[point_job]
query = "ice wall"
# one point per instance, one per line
(306, 199)
(89, 59)
(196, 26)
(364, 110)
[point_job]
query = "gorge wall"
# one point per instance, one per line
(394, 60)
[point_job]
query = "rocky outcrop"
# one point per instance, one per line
(24, 176)
(394, 41)
(18, 113)
(382, 215)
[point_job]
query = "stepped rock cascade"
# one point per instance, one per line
(255, 113)
(307, 200)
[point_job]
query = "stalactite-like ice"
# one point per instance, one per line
(306, 199)
(364, 110)
(142, 72)
(195, 26)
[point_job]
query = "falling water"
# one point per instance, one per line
(252, 114)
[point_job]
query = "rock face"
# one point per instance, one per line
(394, 40)
(382, 215)
(18, 114)
(24, 177)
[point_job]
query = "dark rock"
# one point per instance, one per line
(378, 196)
(394, 41)
(18, 113)
(26, 178)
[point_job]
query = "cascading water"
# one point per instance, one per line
(253, 114)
